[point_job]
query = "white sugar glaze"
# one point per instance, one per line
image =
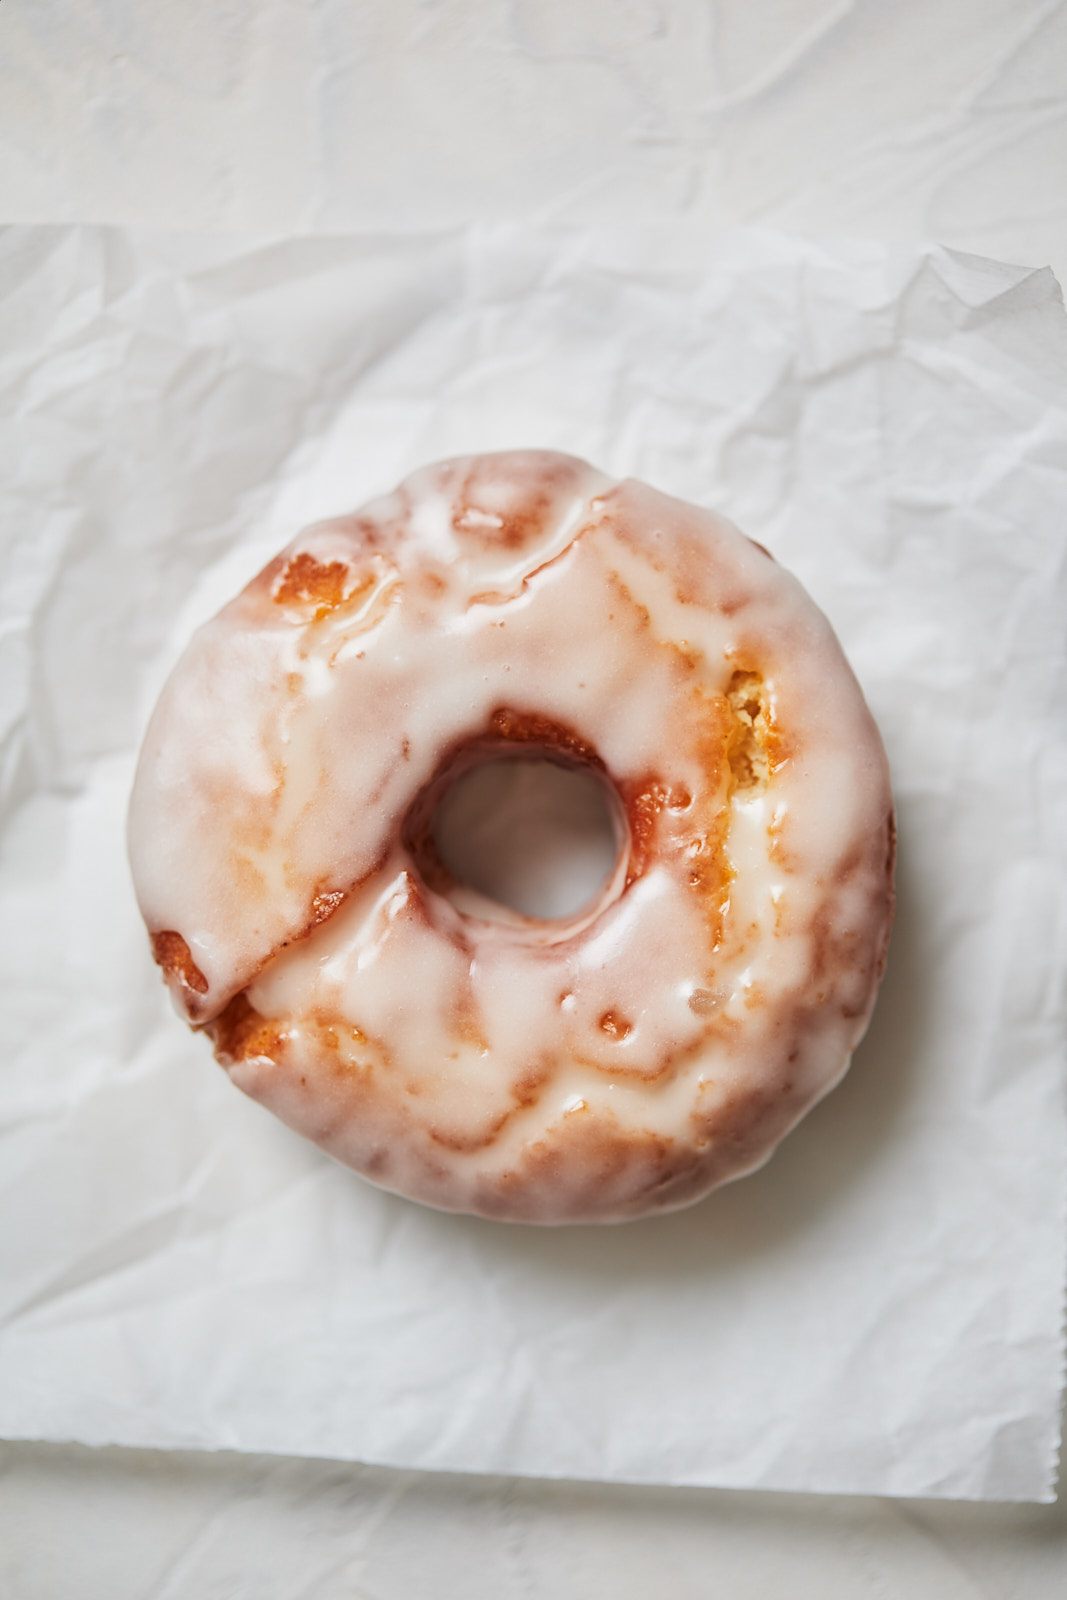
(626, 1061)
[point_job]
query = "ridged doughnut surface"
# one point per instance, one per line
(593, 1069)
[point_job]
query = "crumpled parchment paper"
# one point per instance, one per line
(880, 1309)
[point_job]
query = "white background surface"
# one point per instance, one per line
(160, 1214)
(945, 118)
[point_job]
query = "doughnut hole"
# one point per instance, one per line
(532, 834)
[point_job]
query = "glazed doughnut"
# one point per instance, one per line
(598, 1067)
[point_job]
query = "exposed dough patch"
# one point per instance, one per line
(750, 741)
(240, 1033)
(532, 728)
(174, 956)
(307, 582)
(324, 904)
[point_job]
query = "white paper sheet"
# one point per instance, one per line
(879, 1310)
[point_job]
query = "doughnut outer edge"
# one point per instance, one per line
(597, 1068)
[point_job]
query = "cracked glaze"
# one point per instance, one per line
(596, 1068)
